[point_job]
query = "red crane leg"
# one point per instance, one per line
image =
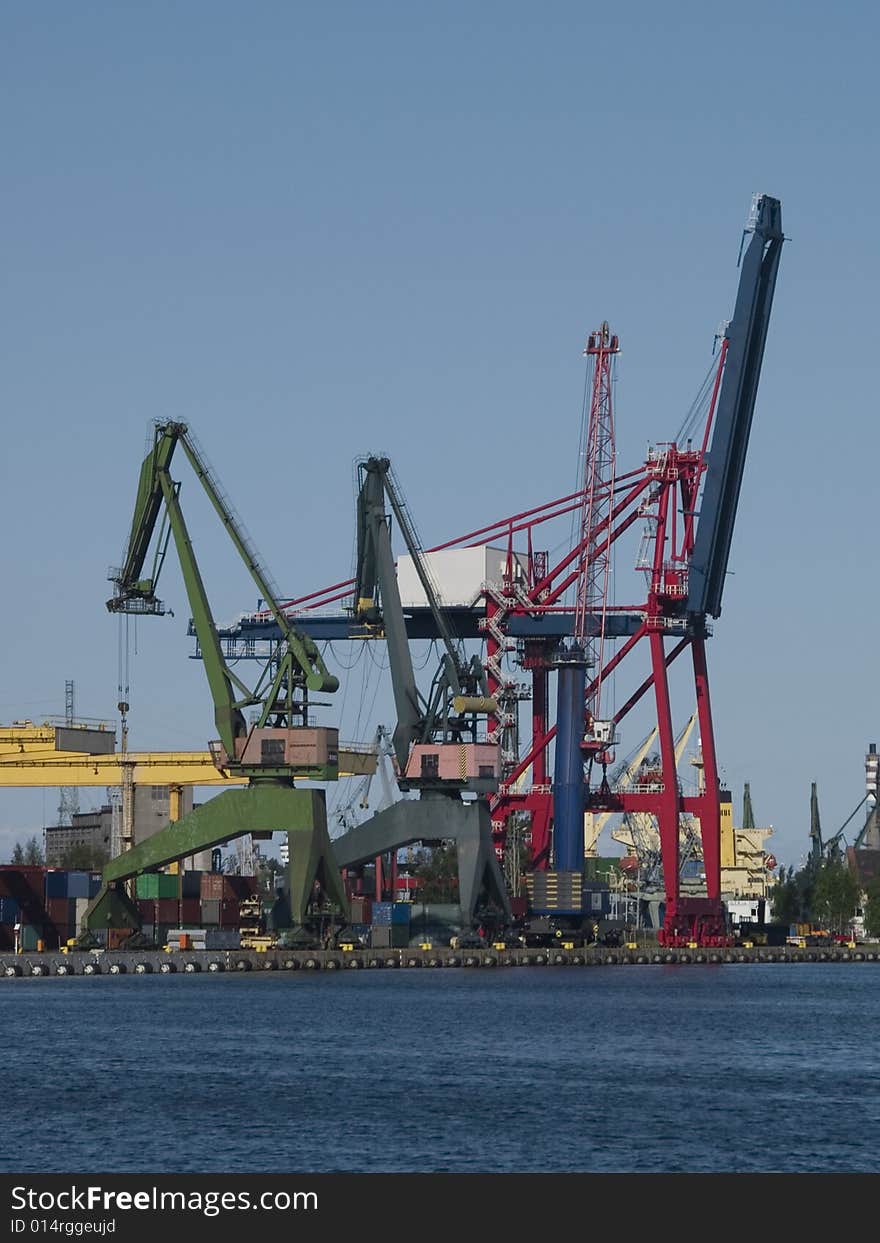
(710, 814)
(667, 803)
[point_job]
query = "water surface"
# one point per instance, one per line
(651, 1069)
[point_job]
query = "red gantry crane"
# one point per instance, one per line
(686, 496)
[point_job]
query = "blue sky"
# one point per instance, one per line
(318, 231)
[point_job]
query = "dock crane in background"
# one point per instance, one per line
(435, 739)
(270, 754)
(829, 850)
(638, 831)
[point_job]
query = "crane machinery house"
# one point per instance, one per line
(460, 575)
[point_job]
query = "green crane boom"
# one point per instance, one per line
(295, 666)
(280, 747)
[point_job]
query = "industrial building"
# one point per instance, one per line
(99, 828)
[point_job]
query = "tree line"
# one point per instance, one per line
(824, 895)
(82, 857)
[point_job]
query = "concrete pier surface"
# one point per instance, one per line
(194, 962)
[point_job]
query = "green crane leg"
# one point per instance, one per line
(311, 858)
(111, 908)
(302, 814)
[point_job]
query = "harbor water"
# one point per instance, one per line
(751, 1068)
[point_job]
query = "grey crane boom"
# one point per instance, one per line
(746, 335)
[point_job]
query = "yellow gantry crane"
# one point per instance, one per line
(80, 755)
(33, 756)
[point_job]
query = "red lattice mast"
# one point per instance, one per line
(598, 485)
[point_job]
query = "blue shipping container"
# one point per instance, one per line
(10, 911)
(94, 884)
(78, 885)
(382, 913)
(400, 912)
(56, 883)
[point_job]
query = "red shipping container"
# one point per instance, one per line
(229, 913)
(212, 885)
(190, 913)
(361, 910)
(61, 911)
(167, 911)
(240, 886)
(27, 884)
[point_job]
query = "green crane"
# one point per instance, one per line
(280, 746)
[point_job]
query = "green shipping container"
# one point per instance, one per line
(157, 885)
(30, 934)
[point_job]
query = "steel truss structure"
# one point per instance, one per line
(686, 496)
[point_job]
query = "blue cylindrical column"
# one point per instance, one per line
(568, 771)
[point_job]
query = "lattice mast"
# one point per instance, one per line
(591, 602)
(68, 805)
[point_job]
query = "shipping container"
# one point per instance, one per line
(241, 887)
(400, 913)
(361, 910)
(7, 937)
(381, 913)
(211, 886)
(29, 935)
(56, 883)
(211, 912)
(167, 911)
(190, 912)
(157, 885)
(14, 874)
(78, 884)
(10, 911)
(95, 881)
(28, 886)
(61, 911)
(192, 884)
(216, 887)
(222, 939)
(81, 905)
(186, 938)
(230, 913)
